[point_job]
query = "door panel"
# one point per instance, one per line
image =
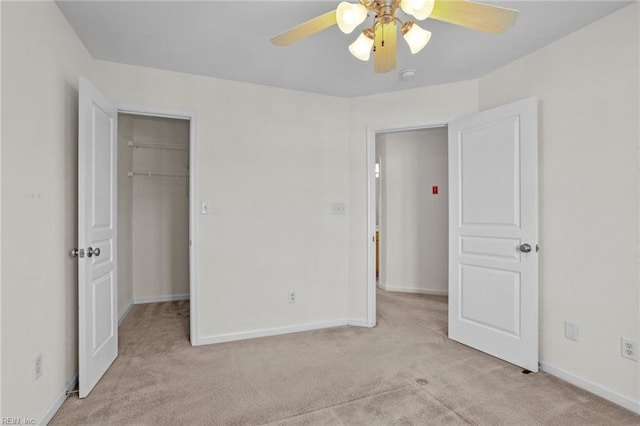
(97, 307)
(493, 286)
(490, 195)
(489, 298)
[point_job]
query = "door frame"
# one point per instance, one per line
(372, 131)
(192, 116)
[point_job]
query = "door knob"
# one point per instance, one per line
(77, 252)
(525, 248)
(96, 251)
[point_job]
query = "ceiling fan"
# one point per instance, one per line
(381, 37)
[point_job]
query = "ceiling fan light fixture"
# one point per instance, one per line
(361, 48)
(416, 37)
(420, 9)
(349, 16)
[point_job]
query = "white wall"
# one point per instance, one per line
(588, 87)
(0, 215)
(270, 163)
(125, 215)
(414, 222)
(428, 105)
(42, 59)
(160, 210)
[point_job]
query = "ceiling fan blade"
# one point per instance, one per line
(477, 16)
(305, 29)
(385, 43)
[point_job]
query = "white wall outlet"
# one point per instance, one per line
(571, 331)
(339, 208)
(292, 297)
(37, 367)
(629, 349)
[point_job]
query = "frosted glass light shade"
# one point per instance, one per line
(417, 38)
(361, 48)
(349, 16)
(420, 9)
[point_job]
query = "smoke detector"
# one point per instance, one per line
(408, 74)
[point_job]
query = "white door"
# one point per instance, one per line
(493, 232)
(97, 286)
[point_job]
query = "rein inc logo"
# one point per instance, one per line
(17, 421)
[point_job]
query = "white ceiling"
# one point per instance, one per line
(231, 40)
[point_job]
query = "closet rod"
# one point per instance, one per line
(157, 174)
(158, 146)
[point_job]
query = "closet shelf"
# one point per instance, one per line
(132, 173)
(165, 146)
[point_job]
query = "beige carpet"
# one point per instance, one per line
(404, 371)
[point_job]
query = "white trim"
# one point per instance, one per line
(371, 202)
(156, 299)
(398, 289)
(594, 388)
(126, 312)
(192, 116)
(358, 323)
(62, 397)
(152, 111)
(194, 195)
(275, 331)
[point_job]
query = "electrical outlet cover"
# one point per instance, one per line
(629, 349)
(339, 208)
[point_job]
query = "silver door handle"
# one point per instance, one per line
(525, 248)
(93, 251)
(77, 252)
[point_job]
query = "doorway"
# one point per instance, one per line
(412, 211)
(493, 229)
(375, 223)
(153, 209)
(102, 299)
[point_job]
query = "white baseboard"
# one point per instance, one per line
(594, 388)
(59, 401)
(156, 299)
(358, 323)
(126, 312)
(243, 335)
(400, 289)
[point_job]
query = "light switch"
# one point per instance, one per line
(571, 331)
(205, 208)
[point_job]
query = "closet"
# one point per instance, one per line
(153, 209)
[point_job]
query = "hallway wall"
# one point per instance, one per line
(414, 222)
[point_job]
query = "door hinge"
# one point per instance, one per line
(537, 248)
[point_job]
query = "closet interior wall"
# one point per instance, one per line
(153, 221)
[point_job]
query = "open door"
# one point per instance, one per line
(97, 286)
(493, 232)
